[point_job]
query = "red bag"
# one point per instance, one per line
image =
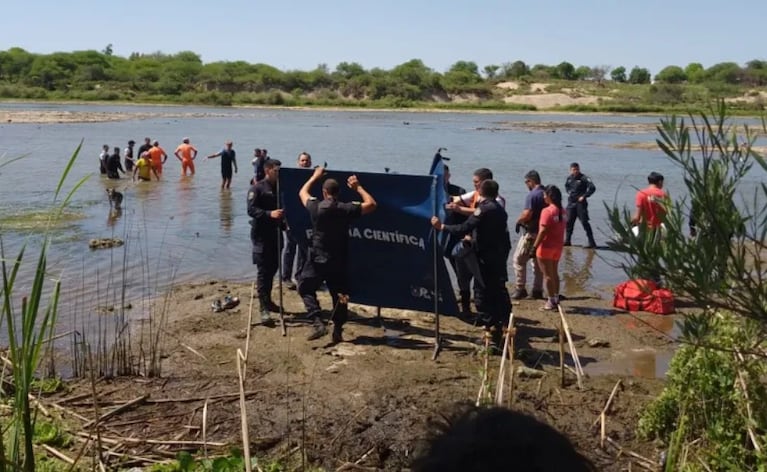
(643, 295)
(662, 302)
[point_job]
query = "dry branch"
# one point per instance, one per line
(119, 409)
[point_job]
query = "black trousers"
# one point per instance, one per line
(266, 257)
(581, 211)
(292, 252)
(492, 299)
(335, 276)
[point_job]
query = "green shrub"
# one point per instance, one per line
(704, 392)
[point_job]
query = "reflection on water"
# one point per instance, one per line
(114, 215)
(576, 269)
(646, 363)
(225, 210)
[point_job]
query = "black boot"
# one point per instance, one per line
(318, 328)
(465, 303)
(568, 237)
(590, 236)
(266, 319)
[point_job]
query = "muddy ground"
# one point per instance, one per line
(368, 400)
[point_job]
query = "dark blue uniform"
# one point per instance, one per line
(492, 244)
(328, 255)
(579, 186)
(452, 218)
(265, 236)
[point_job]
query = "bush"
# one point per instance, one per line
(705, 392)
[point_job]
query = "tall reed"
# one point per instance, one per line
(28, 329)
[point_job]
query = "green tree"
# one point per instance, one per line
(583, 73)
(107, 51)
(542, 72)
(695, 72)
(565, 71)
(671, 75)
(756, 73)
(463, 76)
(15, 63)
(727, 72)
(618, 74)
(491, 70)
(514, 70)
(639, 75)
(347, 70)
(713, 405)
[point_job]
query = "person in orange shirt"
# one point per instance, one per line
(158, 156)
(186, 153)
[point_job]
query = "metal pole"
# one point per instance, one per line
(437, 340)
(279, 263)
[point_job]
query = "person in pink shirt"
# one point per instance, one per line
(186, 153)
(550, 241)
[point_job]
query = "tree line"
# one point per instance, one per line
(183, 76)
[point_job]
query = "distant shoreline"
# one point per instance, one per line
(29, 115)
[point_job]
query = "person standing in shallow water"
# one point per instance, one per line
(579, 188)
(228, 161)
(114, 167)
(129, 162)
(186, 153)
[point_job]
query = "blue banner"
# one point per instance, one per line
(391, 250)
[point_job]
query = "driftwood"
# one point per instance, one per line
(573, 352)
(607, 405)
(119, 409)
(644, 462)
(58, 454)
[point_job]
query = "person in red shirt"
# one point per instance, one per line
(550, 241)
(650, 203)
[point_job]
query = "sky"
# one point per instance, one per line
(301, 34)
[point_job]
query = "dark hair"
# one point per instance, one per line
(486, 439)
(447, 169)
(484, 173)
(655, 178)
(131, 142)
(271, 163)
(489, 189)
(534, 176)
(331, 187)
(574, 164)
(555, 195)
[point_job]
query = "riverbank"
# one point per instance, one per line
(369, 400)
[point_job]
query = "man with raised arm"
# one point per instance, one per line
(328, 253)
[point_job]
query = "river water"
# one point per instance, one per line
(187, 229)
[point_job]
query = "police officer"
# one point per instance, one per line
(266, 226)
(579, 187)
(492, 242)
(328, 249)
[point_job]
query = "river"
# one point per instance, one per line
(187, 229)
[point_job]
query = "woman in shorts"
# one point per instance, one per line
(549, 243)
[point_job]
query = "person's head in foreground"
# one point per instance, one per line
(497, 439)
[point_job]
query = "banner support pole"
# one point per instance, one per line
(437, 337)
(279, 263)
